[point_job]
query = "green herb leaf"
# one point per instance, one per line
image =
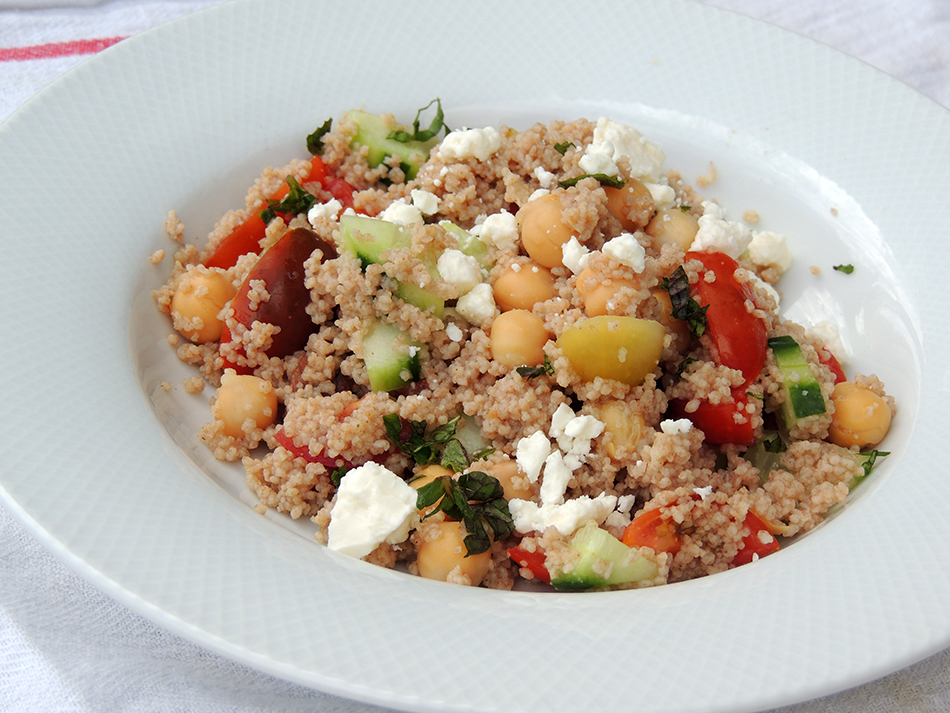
(683, 366)
(562, 147)
(868, 459)
(441, 445)
(478, 500)
(686, 208)
(684, 306)
(531, 372)
(846, 269)
(438, 123)
(315, 140)
(604, 179)
(337, 475)
(294, 203)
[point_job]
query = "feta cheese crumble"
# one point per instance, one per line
(470, 143)
(460, 269)
(478, 304)
(716, 234)
(769, 249)
(327, 211)
(574, 255)
(626, 250)
(531, 453)
(402, 213)
(426, 202)
(677, 427)
(373, 505)
(613, 142)
(500, 229)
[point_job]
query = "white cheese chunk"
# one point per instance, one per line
(716, 234)
(426, 202)
(574, 435)
(555, 480)
(531, 453)
(373, 505)
(478, 304)
(626, 250)
(453, 332)
(769, 249)
(460, 269)
(402, 213)
(567, 517)
(327, 211)
(499, 229)
(479, 144)
(574, 255)
(663, 196)
(545, 178)
(677, 427)
(616, 141)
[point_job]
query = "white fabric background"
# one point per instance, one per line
(64, 646)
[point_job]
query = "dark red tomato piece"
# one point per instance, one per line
(739, 336)
(759, 542)
(532, 561)
(281, 270)
(303, 452)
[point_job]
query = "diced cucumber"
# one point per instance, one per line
(470, 436)
(389, 369)
(373, 133)
(368, 238)
(802, 391)
(468, 243)
(598, 549)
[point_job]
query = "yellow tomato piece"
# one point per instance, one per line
(624, 349)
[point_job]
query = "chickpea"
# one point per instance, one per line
(512, 480)
(242, 397)
(673, 226)
(676, 327)
(624, 424)
(200, 297)
(597, 294)
(441, 549)
(632, 204)
(543, 230)
(861, 417)
(524, 288)
(518, 338)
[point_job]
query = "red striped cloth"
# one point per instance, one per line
(56, 49)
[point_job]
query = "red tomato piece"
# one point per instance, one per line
(246, 238)
(739, 336)
(718, 421)
(532, 561)
(651, 529)
(303, 452)
(829, 360)
(342, 191)
(760, 541)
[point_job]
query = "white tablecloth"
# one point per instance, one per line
(64, 646)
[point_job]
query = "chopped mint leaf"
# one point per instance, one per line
(315, 140)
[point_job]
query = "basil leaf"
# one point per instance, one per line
(531, 372)
(297, 201)
(315, 140)
(846, 269)
(437, 124)
(603, 178)
(684, 306)
(562, 147)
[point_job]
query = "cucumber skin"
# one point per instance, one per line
(802, 396)
(385, 366)
(368, 238)
(595, 544)
(372, 132)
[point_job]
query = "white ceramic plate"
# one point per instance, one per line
(103, 466)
